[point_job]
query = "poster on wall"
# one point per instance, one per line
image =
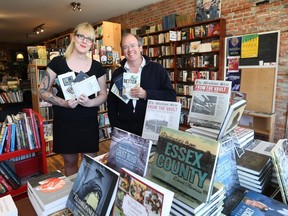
(234, 46)
(250, 46)
(207, 10)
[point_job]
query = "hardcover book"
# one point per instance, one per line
(50, 189)
(160, 114)
(130, 80)
(94, 189)
(187, 162)
(136, 194)
(257, 204)
(280, 161)
(128, 150)
(253, 162)
(209, 103)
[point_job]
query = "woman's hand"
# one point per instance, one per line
(72, 103)
(84, 101)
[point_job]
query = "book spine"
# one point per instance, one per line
(8, 179)
(8, 138)
(11, 173)
(22, 134)
(5, 183)
(3, 134)
(13, 138)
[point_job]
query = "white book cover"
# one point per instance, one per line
(210, 103)
(160, 114)
(87, 87)
(7, 206)
(130, 80)
(65, 81)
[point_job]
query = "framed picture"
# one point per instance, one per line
(232, 118)
(207, 10)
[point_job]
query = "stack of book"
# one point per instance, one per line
(243, 136)
(48, 193)
(264, 147)
(254, 170)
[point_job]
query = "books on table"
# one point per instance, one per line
(187, 162)
(209, 103)
(280, 161)
(7, 206)
(256, 204)
(137, 195)
(94, 189)
(160, 114)
(243, 136)
(49, 192)
(128, 150)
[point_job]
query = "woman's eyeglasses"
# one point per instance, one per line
(82, 37)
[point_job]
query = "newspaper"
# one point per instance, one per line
(209, 103)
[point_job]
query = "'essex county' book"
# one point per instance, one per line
(94, 189)
(136, 195)
(128, 150)
(49, 190)
(257, 204)
(187, 162)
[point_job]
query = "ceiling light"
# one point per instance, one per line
(38, 29)
(76, 6)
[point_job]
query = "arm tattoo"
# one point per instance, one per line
(44, 90)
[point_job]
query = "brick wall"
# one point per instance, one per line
(242, 17)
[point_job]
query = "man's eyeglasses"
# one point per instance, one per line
(131, 46)
(82, 37)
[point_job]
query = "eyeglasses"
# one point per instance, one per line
(82, 37)
(131, 46)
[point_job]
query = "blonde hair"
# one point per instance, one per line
(81, 28)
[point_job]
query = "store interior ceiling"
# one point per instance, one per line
(19, 19)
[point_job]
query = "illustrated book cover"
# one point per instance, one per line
(209, 103)
(65, 81)
(128, 150)
(280, 161)
(187, 162)
(257, 204)
(94, 189)
(253, 162)
(50, 189)
(130, 80)
(160, 114)
(136, 194)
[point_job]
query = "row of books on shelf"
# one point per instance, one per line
(11, 97)
(20, 131)
(103, 119)
(9, 180)
(104, 133)
(46, 112)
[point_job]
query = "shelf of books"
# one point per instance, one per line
(22, 152)
(194, 51)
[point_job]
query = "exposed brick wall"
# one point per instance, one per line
(242, 17)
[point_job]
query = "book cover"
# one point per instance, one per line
(7, 206)
(253, 162)
(128, 150)
(160, 114)
(19, 141)
(280, 161)
(257, 204)
(187, 162)
(3, 134)
(94, 189)
(8, 179)
(4, 185)
(262, 147)
(130, 80)
(34, 128)
(7, 143)
(87, 87)
(65, 81)
(27, 131)
(9, 169)
(136, 194)
(209, 103)
(50, 189)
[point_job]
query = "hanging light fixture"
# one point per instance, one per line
(76, 6)
(38, 29)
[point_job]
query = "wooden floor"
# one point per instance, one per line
(55, 162)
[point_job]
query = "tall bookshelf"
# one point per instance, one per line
(194, 51)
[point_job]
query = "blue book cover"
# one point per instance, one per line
(256, 204)
(13, 138)
(2, 139)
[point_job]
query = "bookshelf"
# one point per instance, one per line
(58, 42)
(26, 166)
(194, 51)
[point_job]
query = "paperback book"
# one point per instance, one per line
(160, 114)
(130, 80)
(187, 162)
(50, 190)
(257, 204)
(94, 189)
(128, 150)
(209, 103)
(136, 194)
